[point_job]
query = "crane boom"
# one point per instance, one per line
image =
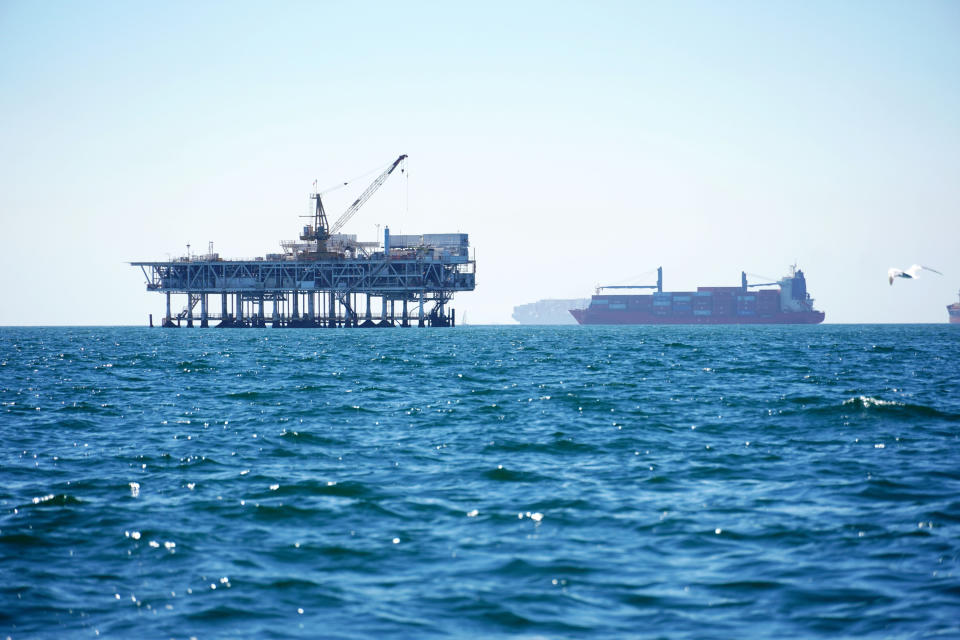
(658, 286)
(744, 285)
(352, 209)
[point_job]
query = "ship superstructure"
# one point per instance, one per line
(324, 279)
(954, 312)
(789, 303)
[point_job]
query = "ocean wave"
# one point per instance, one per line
(502, 474)
(384, 495)
(894, 407)
(861, 405)
(562, 446)
(865, 402)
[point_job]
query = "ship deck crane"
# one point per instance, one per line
(658, 286)
(322, 230)
(744, 285)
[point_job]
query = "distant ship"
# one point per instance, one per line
(954, 311)
(548, 311)
(789, 303)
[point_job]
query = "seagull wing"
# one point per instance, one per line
(929, 269)
(892, 273)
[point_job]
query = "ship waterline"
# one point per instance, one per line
(583, 316)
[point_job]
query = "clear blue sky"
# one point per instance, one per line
(578, 143)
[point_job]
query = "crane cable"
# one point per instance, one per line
(340, 185)
(635, 278)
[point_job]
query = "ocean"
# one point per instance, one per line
(481, 482)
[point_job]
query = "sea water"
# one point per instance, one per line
(528, 482)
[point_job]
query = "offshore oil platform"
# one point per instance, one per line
(324, 279)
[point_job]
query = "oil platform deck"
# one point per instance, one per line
(319, 293)
(326, 279)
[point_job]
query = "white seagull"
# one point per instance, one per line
(912, 272)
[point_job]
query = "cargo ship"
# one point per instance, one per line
(954, 311)
(789, 303)
(550, 311)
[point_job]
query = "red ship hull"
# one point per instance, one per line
(589, 316)
(954, 311)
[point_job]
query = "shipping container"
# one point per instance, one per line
(712, 305)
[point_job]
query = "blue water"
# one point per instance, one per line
(530, 482)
